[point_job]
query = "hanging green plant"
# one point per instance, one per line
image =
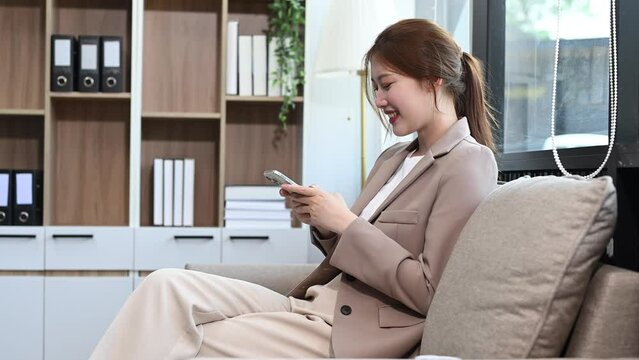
(285, 24)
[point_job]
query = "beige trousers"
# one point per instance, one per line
(183, 314)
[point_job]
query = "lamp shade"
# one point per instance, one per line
(349, 30)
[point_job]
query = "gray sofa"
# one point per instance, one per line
(524, 280)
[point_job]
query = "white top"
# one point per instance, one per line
(400, 174)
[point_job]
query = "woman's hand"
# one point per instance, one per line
(313, 206)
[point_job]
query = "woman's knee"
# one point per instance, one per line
(163, 278)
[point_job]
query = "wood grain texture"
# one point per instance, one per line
(252, 15)
(21, 142)
(22, 41)
(181, 71)
(97, 17)
(90, 163)
(197, 139)
(255, 142)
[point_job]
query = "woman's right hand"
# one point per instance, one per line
(291, 198)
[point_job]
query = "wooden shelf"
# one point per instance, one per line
(261, 98)
(91, 96)
(22, 112)
(181, 115)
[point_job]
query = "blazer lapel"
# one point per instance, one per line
(457, 132)
(381, 177)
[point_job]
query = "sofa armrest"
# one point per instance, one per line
(278, 277)
(608, 323)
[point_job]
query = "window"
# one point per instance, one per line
(582, 84)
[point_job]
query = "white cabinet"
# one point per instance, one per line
(21, 317)
(77, 312)
(83, 248)
(264, 246)
(158, 247)
(21, 292)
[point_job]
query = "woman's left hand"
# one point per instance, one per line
(319, 208)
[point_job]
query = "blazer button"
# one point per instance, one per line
(349, 278)
(345, 310)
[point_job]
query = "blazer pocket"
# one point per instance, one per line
(390, 317)
(399, 216)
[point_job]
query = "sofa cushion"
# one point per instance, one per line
(516, 279)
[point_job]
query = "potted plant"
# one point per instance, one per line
(285, 24)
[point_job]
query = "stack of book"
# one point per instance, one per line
(255, 207)
(173, 192)
(251, 64)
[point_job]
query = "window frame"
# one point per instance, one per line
(488, 44)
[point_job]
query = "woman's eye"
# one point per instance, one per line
(386, 86)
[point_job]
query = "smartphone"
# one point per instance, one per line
(278, 178)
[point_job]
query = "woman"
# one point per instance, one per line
(391, 246)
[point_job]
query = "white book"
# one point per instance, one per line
(189, 191)
(258, 224)
(257, 215)
(158, 191)
(259, 65)
(241, 192)
(255, 205)
(245, 55)
(231, 57)
(178, 191)
(273, 90)
(168, 192)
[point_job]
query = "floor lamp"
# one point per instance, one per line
(349, 29)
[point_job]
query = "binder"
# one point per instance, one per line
(167, 203)
(259, 65)
(244, 52)
(178, 191)
(88, 70)
(273, 89)
(231, 57)
(189, 191)
(111, 64)
(6, 201)
(62, 62)
(26, 209)
(158, 191)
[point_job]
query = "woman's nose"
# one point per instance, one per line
(380, 100)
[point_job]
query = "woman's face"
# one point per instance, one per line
(407, 102)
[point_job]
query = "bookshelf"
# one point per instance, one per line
(96, 149)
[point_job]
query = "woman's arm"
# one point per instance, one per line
(365, 252)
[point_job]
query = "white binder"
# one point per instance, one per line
(259, 65)
(189, 191)
(158, 191)
(231, 57)
(168, 192)
(178, 191)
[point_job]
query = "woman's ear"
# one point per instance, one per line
(432, 85)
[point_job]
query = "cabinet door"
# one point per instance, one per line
(21, 317)
(77, 312)
(264, 246)
(157, 248)
(21, 247)
(88, 248)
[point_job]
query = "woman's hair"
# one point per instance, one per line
(422, 50)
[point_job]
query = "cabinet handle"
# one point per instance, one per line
(72, 236)
(17, 236)
(193, 237)
(249, 237)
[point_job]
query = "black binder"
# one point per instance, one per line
(27, 196)
(62, 62)
(6, 198)
(88, 79)
(111, 64)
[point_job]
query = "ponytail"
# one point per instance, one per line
(472, 103)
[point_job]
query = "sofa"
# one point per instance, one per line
(525, 279)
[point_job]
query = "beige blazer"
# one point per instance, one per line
(392, 264)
